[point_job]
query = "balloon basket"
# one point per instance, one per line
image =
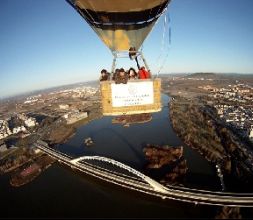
(135, 97)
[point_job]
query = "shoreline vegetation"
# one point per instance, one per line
(127, 120)
(56, 131)
(201, 124)
(23, 163)
(199, 127)
(28, 172)
(159, 156)
(168, 161)
(17, 158)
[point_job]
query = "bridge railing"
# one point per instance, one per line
(176, 193)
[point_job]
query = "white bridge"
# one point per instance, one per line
(144, 183)
(157, 186)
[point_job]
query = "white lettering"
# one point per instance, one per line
(132, 94)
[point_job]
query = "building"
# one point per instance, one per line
(62, 106)
(73, 117)
(18, 129)
(251, 132)
(4, 129)
(29, 121)
(3, 148)
(36, 150)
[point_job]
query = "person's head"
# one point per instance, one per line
(143, 68)
(132, 53)
(132, 72)
(121, 72)
(103, 72)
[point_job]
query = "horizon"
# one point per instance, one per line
(2, 98)
(59, 48)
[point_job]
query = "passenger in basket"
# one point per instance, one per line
(104, 75)
(143, 73)
(132, 74)
(115, 74)
(121, 77)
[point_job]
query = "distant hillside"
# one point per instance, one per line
(202, 75)
(162, 75)
(94, 83)
(234, 76)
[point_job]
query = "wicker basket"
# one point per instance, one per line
(151, 104)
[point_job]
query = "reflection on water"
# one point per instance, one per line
(62, 192)
(125, 144)
(127, 120)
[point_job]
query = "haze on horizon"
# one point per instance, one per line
(46, 43)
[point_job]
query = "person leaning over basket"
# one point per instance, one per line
(143, 73)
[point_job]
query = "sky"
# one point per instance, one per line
(46, 43)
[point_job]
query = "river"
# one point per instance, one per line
(61, 192)
(125, 144)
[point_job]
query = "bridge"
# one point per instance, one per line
(157, 186)
(142, 183)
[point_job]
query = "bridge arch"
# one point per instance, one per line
(157, 186)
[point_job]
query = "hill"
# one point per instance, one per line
(202, 75)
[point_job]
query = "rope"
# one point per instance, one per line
(163, 40)
(86, 12)
(159, 7)
(167, 47)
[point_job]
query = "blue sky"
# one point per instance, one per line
(45, 43)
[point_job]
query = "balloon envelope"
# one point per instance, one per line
(121, 24)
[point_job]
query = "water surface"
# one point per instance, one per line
(125, 144)
(62, 192)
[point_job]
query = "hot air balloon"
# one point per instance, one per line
(123, 26)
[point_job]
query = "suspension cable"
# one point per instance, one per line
(167, 47)
(163, 41)
(86, 12)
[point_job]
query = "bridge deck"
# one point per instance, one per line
(146, 184)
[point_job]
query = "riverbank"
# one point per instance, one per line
(159, 156)
(30, 170)
(127, 120)
(15, 159)
(167, 162)
(57, 131)
(200, 128)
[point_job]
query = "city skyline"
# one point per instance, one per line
(47, 43)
